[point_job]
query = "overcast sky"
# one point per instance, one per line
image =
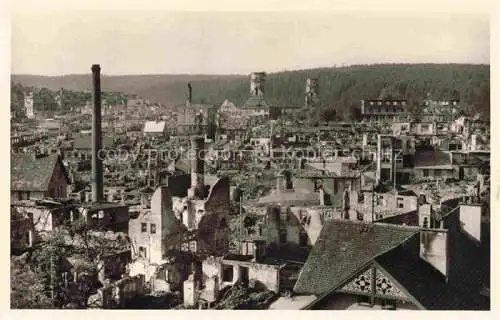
(151, 42)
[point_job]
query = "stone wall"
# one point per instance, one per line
(419, 174)
(213, 228)
(121, 292)
(261, 276)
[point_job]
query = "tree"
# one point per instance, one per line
(28, 288)
(355, 113)
(44, 100)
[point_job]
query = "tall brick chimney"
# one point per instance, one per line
(190, 94)
(97, 171)
(197, 167)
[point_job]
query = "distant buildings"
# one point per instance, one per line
(256, 105)
(312, 92)
(157, 128)
(29, 105)
(384, 110)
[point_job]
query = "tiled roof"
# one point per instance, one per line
(468, 275)
(431, 158)
(254, 101)
(30, 174)
(343, 247)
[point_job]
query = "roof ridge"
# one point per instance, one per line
(397, 226)
(382, 224)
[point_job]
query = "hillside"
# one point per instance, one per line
(340, 88)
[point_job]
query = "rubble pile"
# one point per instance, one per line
(241, 297)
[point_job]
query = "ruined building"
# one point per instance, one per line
(256, 105)
(312, 95)
(29, 105)
(170, 240)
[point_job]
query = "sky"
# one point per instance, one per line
(69, 39)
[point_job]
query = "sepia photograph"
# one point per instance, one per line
(249, 160)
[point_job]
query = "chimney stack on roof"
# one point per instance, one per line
(97, 170)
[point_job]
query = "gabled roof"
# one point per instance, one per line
(30, 174)
(468, 270)
(255, 101)
(343, 248)
(228, 104)
(426, 284)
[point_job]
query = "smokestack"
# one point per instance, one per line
(190, 94)
(198, 166)
(97, 172)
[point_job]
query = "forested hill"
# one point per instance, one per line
(339, 88)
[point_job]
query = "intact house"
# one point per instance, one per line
(442, 265)
(384, 110)
(37, 176)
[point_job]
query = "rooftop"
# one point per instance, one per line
(28, 173)
(255, 101)
(344, 247)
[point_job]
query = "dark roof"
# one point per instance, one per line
(28, 173)
(85, 142)
(408, 218)
(255, 101)
(406, 192)
(482, 157)
(343, 248)
(468, 274)
(431, 158)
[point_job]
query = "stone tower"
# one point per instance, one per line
(257, 82)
